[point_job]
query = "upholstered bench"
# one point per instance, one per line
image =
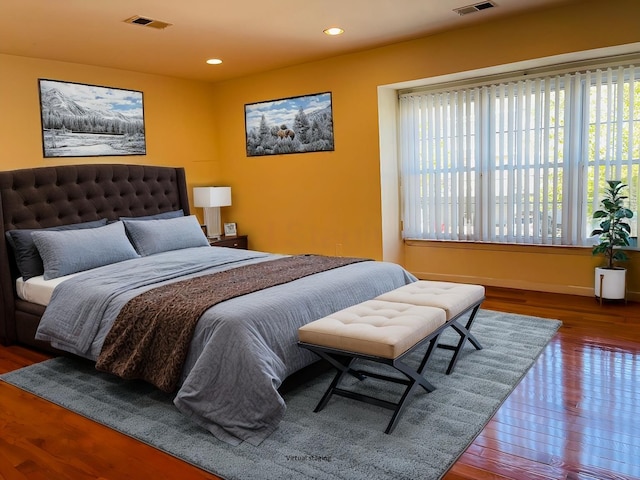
(386, 330)
(456, 299)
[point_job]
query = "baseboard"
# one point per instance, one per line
(517, 284)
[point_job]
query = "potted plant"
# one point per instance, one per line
(614, 231)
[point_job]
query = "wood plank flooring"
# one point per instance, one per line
(575, 416)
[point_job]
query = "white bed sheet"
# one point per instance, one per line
(38, 290)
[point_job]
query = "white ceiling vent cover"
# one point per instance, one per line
(147, 22)
(476, 7)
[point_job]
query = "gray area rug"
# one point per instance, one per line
(343, 441)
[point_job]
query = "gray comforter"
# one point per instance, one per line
(242, 349)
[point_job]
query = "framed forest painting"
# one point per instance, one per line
(289, 125)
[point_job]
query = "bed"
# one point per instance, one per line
(241, 348)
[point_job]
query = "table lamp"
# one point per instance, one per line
(211, 199)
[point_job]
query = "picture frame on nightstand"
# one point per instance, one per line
(230, 229)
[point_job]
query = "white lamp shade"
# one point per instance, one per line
(212, 196)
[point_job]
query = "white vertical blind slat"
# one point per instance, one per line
(544, 204)
(448, 128)
(529, 172)
(427, 164)
(498, 160)
(510, 133)
(618, 118)
(437, 158)
(491, 171)
(537, 152)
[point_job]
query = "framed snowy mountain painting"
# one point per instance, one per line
(81, 120)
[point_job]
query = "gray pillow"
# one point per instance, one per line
(25, 251)
(158, 216)
(155, 236)
(71, 251)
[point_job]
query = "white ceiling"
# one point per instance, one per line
(248, 35)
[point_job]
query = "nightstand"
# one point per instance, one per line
(235, 241)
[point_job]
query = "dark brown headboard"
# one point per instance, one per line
(51, 196)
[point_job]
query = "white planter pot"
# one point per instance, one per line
(612, 282)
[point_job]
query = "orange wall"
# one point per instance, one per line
(179, 116)
(331, 202)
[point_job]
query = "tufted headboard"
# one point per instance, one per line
(52, 196)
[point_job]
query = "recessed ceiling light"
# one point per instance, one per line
(214, 61)
(334, 31)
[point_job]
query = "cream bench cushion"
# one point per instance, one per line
(374, 327)
(453, 298)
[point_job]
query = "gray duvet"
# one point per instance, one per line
(242, 349)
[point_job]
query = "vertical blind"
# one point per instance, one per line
(519, 161)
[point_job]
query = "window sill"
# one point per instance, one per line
(500, 247)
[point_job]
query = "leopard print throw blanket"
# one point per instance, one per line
(150, 337)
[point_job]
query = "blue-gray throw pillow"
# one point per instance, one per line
(155, 236)
(25, 251)
(157, 216)
(71, 251)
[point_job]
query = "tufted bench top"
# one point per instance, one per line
(453, 298)
(374, 327)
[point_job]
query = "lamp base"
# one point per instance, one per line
(213, 222)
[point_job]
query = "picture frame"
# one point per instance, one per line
(298, 124)
(230, 229)
(82, 120)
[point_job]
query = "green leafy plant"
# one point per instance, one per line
(614, 230)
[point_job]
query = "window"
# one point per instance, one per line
(521, 160)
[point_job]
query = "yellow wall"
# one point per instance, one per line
(331, 202)
(179, 116)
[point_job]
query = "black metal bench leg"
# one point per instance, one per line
(341, 370)
(414, 378)
(465, 334)
(400, 407)
(474, 341)
(432, 344)
(335, 363)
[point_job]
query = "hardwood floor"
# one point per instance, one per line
(575, 416)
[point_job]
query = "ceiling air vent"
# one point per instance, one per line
(476, 7)
(147, 22)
